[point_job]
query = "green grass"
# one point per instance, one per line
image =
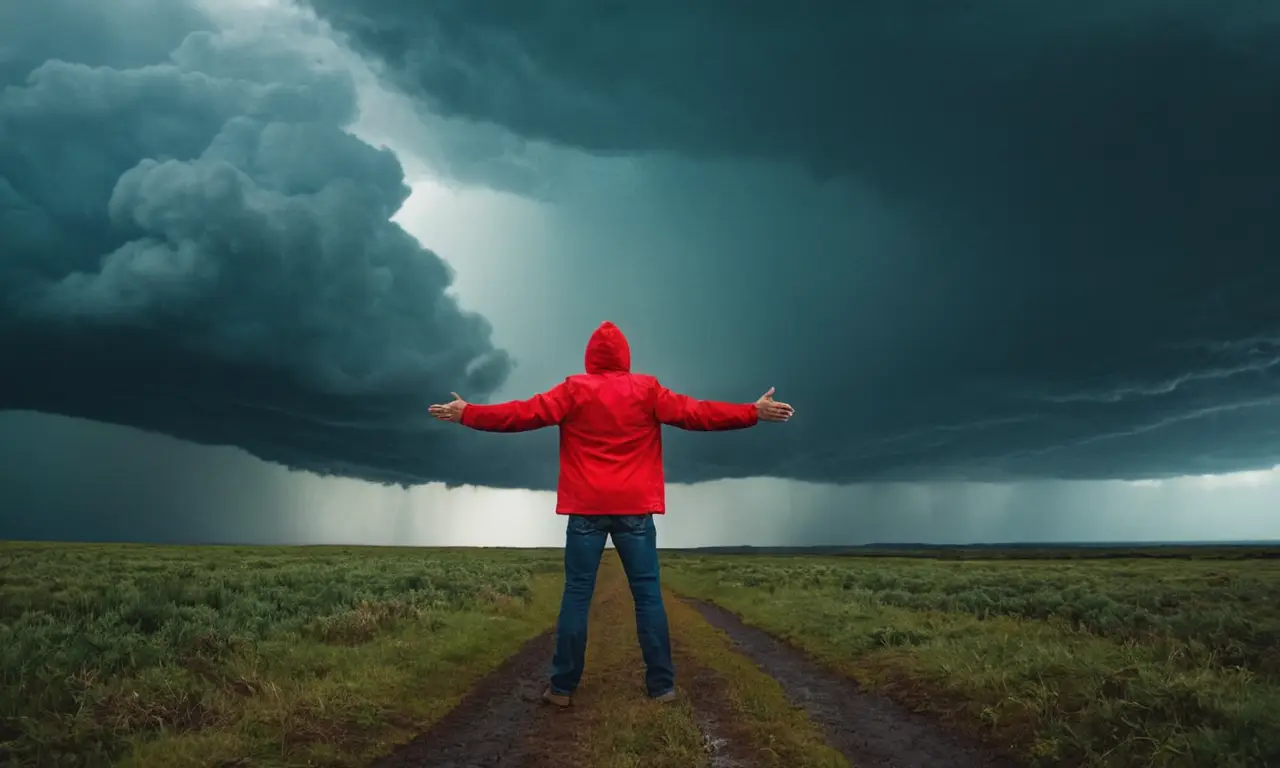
(152, 655)
(177, 656)
(760, 716)
(1099, 662)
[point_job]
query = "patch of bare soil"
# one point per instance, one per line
(715, 718)
(491, 724)
(867, 728)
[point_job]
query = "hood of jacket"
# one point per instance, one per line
(608, 350)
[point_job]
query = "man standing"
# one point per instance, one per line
(611, 484)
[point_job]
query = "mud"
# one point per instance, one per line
(491, 724)
(714, 715)
(867, 728)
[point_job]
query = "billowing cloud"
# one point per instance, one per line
(984, 242)
(1059, 254)
(194, 245)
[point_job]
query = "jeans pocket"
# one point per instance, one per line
(584, 525)
(636, 525)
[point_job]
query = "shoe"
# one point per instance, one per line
(559, 699)
(667, 697)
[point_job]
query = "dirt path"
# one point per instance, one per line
(502, 722)
(490, 725)
(612, 722)
(737, 709)
(868, 729)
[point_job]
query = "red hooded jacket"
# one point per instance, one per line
(610, 423)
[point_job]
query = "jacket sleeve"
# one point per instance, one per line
(542, 410)
(685, 412)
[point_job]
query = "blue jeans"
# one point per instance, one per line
(636, 539)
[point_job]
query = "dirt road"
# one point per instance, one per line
(747, 700)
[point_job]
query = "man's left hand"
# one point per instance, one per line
(450, 411)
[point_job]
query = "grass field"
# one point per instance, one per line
(159, 656)
(185, 656)
(1096, 661)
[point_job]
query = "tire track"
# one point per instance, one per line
(490, 725)
(867, 728)
(502, 722)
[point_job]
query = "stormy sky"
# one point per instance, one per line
(1014, 264)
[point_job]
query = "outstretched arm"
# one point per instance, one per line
(685, 412)
(541, 410)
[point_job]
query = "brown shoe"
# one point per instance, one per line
(555, 698)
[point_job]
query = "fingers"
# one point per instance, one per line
(777, 411)
(444, 412)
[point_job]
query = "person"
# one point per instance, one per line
(611, 485)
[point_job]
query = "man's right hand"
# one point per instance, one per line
(450, 411)
(772, 410)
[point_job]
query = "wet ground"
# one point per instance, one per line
(714, 715)
(867, 728)
(491, 726)
(501, 722)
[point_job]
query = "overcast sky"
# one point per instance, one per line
(1015, 267)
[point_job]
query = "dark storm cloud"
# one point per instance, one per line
(1092, 188)
(121, 33)
(193, 245)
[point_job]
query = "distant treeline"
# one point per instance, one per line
(1248, 550)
